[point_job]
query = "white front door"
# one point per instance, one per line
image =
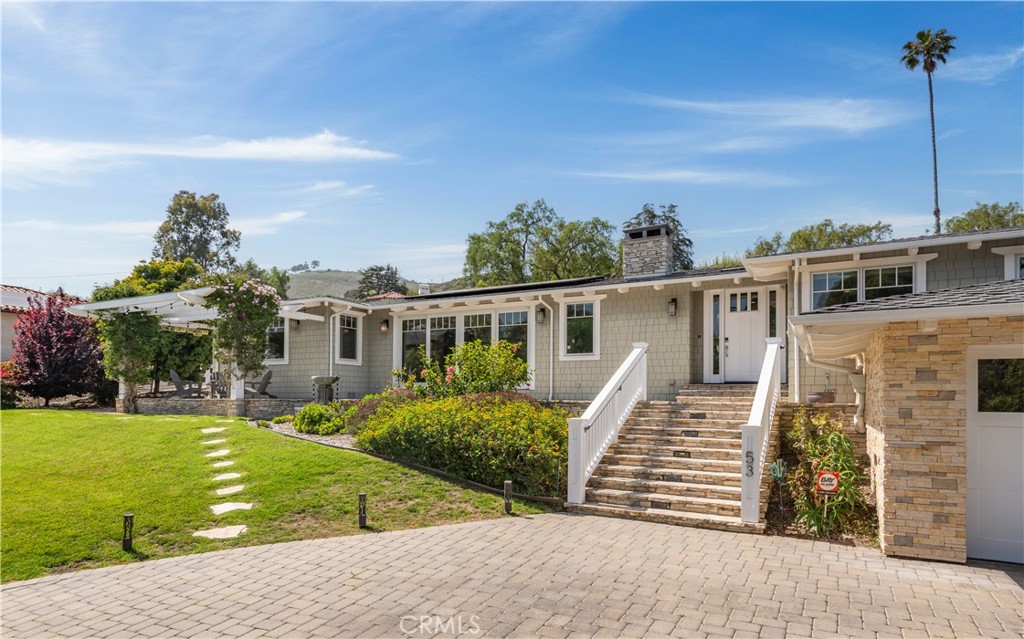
(995, 447)
(736, 323)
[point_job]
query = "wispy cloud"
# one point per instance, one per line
(269, 225)
(748, 143)
(123, 227)
(32, 162)
(982, 68)
(726, 232)
(686, 176)
(842, 114)
(339, 187)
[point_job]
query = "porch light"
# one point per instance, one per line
(126, 534)
(384, 325)
(541, 315)
(672, 307)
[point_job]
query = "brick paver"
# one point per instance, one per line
(544, 576)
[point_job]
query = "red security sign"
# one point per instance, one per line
(827, 482)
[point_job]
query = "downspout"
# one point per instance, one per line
(856, 374)
(551, 348)
(794, 391)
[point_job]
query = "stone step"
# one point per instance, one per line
(684, 430)
(678, 439)
(703, 414)
(639, 499)
(676, 463)
(693, 452)
(714, 400)
(683, 422)
(728, 477)
(696, 520)
(662, 487)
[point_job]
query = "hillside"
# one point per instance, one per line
(332, 283)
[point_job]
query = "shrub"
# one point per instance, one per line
(486, 439)
(283, 419)
(820, 444)
(262, 423)
(475, 367)
(8, 385)
(382, 403)
(319, 419)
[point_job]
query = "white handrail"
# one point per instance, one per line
(757, 432)
(592, 433)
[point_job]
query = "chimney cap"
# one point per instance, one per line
(643, 232)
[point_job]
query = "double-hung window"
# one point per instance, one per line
(348, 349)
(277, 342)
(580, 330)
(513, 328)
(414, 335)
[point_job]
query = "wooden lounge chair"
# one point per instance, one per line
(261, 388)
(185, 388)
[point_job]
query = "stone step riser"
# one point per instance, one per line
(675, 463)
(667, 517)
(679, 440)
(675, 451)
(683, 412)
(652, 501)
(674, 430)
(683, 422)
(676, 489)
(713, 478)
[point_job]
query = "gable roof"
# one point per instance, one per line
(14, 299)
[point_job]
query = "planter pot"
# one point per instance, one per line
(821, 397)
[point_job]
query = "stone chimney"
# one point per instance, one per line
(424, 289)
(647, 251)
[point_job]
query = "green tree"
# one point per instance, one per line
(682, 246)
(720, 261)
(534, 244)
(276, 277)
(246, 309)
(197, 228)
(927, 50)
(129, 341)
(986, 217)
(379, 279)
(824, 235)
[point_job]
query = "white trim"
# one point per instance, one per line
(287, 338)
(709, 336)
(336, 332)
(1011, 256)
(918, 263)
(562, 318)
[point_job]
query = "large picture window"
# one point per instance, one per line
(348, 351)
(277, 341)
(513, 328)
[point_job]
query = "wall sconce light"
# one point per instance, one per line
(672, 307)
(297, 324)
(541, 315)
(384, 326)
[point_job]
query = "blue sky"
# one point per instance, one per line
(366, 133)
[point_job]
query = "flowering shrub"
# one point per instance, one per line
(8, 385)
(319, 419)
(246, 309)
(379, 405)
(475, 367)
(486, 439)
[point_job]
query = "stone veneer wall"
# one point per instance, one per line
(259, 408)
(916, 417)
(647, 256)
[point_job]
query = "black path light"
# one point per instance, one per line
(508, 496)
(126, 534)
(362, 510)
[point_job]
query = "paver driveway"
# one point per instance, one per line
(550, 576)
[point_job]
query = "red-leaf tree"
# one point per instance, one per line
(57, 353)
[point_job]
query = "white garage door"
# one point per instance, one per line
(995, 453)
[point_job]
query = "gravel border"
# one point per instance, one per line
(342, 440)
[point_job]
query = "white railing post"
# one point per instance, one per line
(592, 433)
(755, 434)
(750, 489)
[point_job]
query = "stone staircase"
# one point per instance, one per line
(678, 462)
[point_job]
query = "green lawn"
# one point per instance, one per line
(67, 477)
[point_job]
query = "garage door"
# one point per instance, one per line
(995, 453)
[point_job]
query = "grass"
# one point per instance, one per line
(68, 477)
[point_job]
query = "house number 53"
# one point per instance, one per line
(750, 463)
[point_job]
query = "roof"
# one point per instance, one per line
(845, 330)
(390, 295)
(14, 299)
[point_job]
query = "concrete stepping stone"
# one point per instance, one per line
(225, 421)
(228, 532)
(210, 431)
(220, 509)
(227, 476)
(218, 453)
(231, 490)
(214, 441)
(223, 464)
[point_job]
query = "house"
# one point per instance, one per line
(914, 333)
(13, 302)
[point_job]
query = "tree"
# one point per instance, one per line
(824, 235)
(197, 228)
(720, 261)
(246, 309)
(928, 50)
(276, 277)
(377, 280)
(130, 340)
(682, 246)
(56, 353)
(534, 244)
(985, 217)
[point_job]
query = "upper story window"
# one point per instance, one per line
(889, 280)
(837, 287)
(349, 350)
(277, 342)
(829, 288)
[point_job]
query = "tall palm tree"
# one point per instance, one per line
(927, 50)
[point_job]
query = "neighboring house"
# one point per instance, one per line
(898, 328)
(13, 302)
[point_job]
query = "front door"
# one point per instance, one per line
(995, 441)
(737, 321)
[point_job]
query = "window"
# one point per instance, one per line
(349, 351)
(414, 335)
(477, 327)
(716, 366)
(837, 287)
(277, 341)
(1020, 267)
(442, 337)
(890, 280)
(773, 309)
(579, 329)
(742, 302)
(1001, 385)
(513, 328)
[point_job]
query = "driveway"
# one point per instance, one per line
(552, 575)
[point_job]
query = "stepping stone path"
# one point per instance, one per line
(228, 532)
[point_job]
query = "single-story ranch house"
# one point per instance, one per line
(923, 337)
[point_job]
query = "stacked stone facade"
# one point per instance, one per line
(916, 416)
(647, 251)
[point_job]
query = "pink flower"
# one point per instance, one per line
(448, 378)
(451, 369)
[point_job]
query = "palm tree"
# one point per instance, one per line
(927, 50)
